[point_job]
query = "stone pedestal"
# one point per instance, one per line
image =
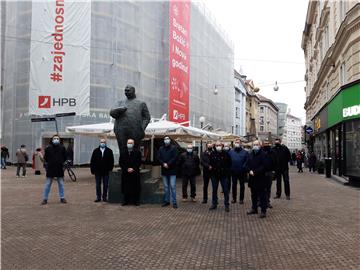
(151, 191)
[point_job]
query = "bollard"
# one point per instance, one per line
(328, 167)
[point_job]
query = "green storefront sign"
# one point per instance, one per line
(345, 105)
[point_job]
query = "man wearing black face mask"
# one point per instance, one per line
(282, 157)
(55, 157)
(207, 170)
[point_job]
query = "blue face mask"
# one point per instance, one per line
(102, 145)
(256, 148)
(189, 150)
(130, 146)
(56, 141)
(167, 142)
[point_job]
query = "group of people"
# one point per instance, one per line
(222, 165)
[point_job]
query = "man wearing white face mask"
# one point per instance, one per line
(189, 166)
(130, 162)
(257, 165)
(55, 157)
(102, 162)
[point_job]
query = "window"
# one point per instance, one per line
(261, 128)
(261, 120)
(342, 74)
(237, 112)
(262, 109)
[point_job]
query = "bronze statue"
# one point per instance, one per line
(131, 119)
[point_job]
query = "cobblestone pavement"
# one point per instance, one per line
(317, 229)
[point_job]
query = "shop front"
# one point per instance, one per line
(337, 132)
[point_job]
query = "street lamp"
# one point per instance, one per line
(276, 87)
(202, 121)
(216, 91)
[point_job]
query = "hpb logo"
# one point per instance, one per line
(45, 102)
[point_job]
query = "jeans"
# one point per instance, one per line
(105, 180)
(215, 184)
(185, 182)
(235, 178)
(169, 182)
(3, 163)
(23, 166)
(47, 187)
(256, 195)
(285, 176)
(205, 188)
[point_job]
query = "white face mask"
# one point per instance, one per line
(218, 148)
(167, 141)
(237, 145)
(256, 148)
(226, 148)
(189, 150)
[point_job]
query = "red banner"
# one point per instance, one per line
(179, 73)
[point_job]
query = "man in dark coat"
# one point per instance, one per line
(220, 162)
(189, 166)
(312, 162)
(101, 163)
(239, 158)
(4, 156)
(207, 170)
(257, 165)
(167, 156)
(266, 147)
(282, 158)
(55, 157)
(130, 162)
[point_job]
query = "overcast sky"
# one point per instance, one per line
(271, 31)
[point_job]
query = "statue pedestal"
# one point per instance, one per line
(151, 192)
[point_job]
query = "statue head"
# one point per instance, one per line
(130, 92)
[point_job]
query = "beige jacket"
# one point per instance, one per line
(38, 162)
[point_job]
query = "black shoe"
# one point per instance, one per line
(241, 202)
(165, 204)
(204, 201)
(124, 203)
(277, 197)
(227, 209)
(213, 207)
(63, 200)
(97, 200)
(270, 206)
(233, 201)
(44, 202)
(175, 206)
(105, 200)
(137, 204)
(251, 212)
(262, 215)
(288, 197)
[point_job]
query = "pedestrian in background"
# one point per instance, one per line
(257, 165)
(55, 157)
(167, 156)
(239, 157)
(293, 159)
(101, 164)
(189, 167)
(22, 157)
(207, 171)
(299, 161)
(130, 162)
(282, 157)
(220, 162)
(312, 161)
(4, 155)
(38, 161)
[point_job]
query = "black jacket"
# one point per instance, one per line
(221, 164)
(130, 182)
(271, 157)
(205, 162)
(189, 165)
(258, 163)
(282, 157)
(4, 152)
(169, 155)
(55, 157)
(102, 165)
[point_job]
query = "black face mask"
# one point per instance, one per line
(209, 149)
(267, 147)
(277, 144)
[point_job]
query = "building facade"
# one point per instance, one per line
(283, 108)
(331, 46)
(268, 119)
(293, 130)
(129, 45)
(239, 127)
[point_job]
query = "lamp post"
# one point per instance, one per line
(202, 121)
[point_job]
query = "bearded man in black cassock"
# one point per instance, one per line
(130, 162)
